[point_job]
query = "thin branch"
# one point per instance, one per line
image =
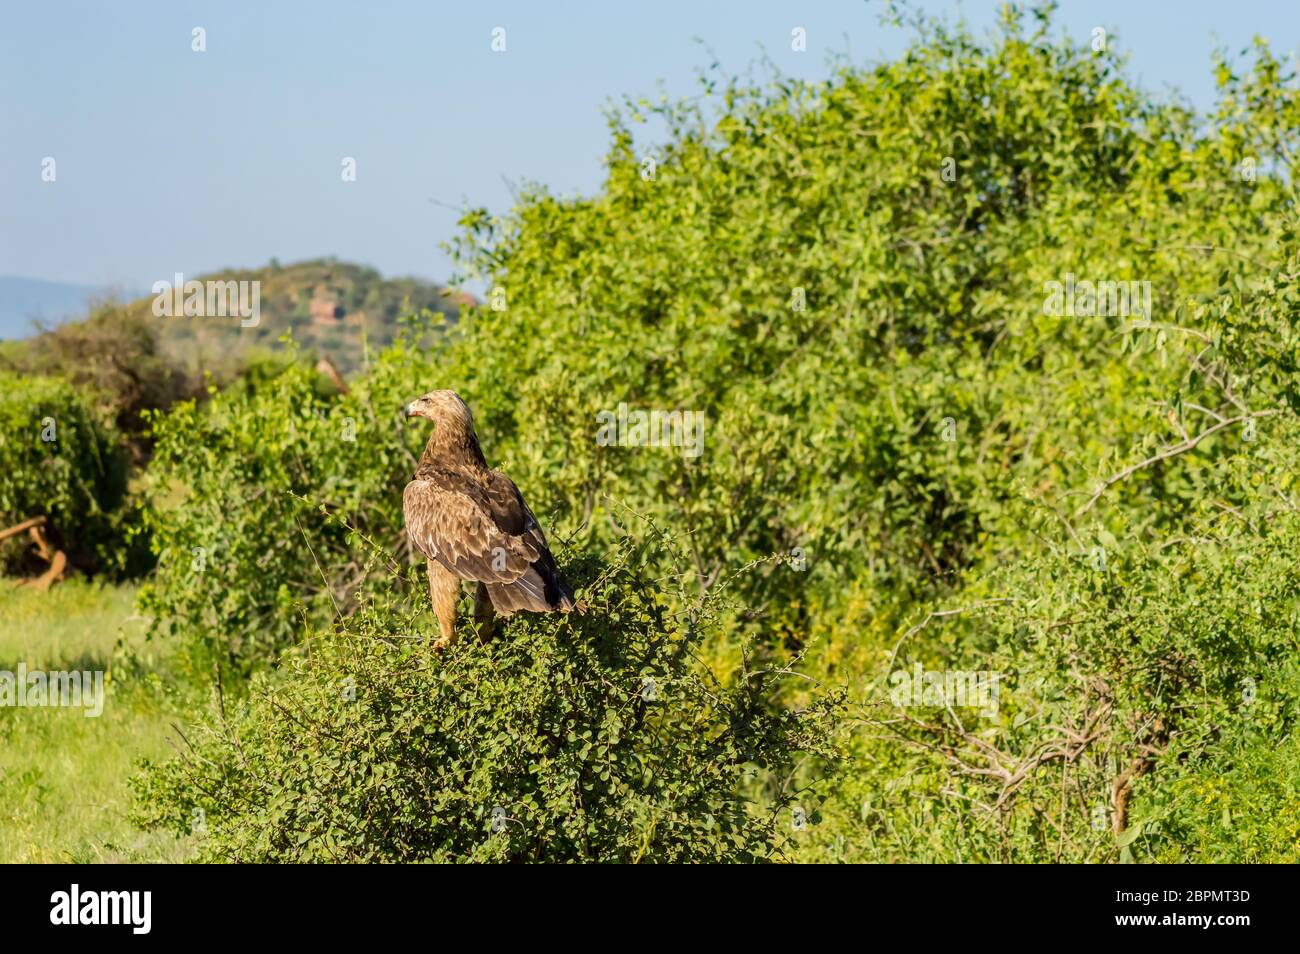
(1168, 452)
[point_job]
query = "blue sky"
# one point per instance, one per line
(170, 160)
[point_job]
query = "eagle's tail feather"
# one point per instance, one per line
(540, 590)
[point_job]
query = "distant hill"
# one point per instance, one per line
(331, 307)
(26, 301)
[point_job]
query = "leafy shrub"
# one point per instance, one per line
(1240, 806)
(867, 337)
(592, 738)
(76, 478)
(1144, 694)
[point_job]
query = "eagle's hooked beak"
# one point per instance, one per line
(410, 410)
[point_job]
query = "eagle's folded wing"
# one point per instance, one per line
(541, 589)
(462, 534)
(489, 535)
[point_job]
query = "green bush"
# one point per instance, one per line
(867, 336)
(568, 738)
(59, 460)
(1120, 692)
(1241, 806)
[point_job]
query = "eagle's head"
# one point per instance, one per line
(453, 434)
(444, 408)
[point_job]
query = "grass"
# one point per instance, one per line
(63, 791)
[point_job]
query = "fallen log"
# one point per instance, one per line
(57, 559)
(42, 547)
(20, 527)
(55, 572)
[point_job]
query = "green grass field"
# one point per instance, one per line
(63, 789)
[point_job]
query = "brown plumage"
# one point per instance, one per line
(472, 523)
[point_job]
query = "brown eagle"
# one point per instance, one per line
(471, 523)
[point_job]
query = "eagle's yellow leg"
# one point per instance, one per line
(444, 589)
(483, 612)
